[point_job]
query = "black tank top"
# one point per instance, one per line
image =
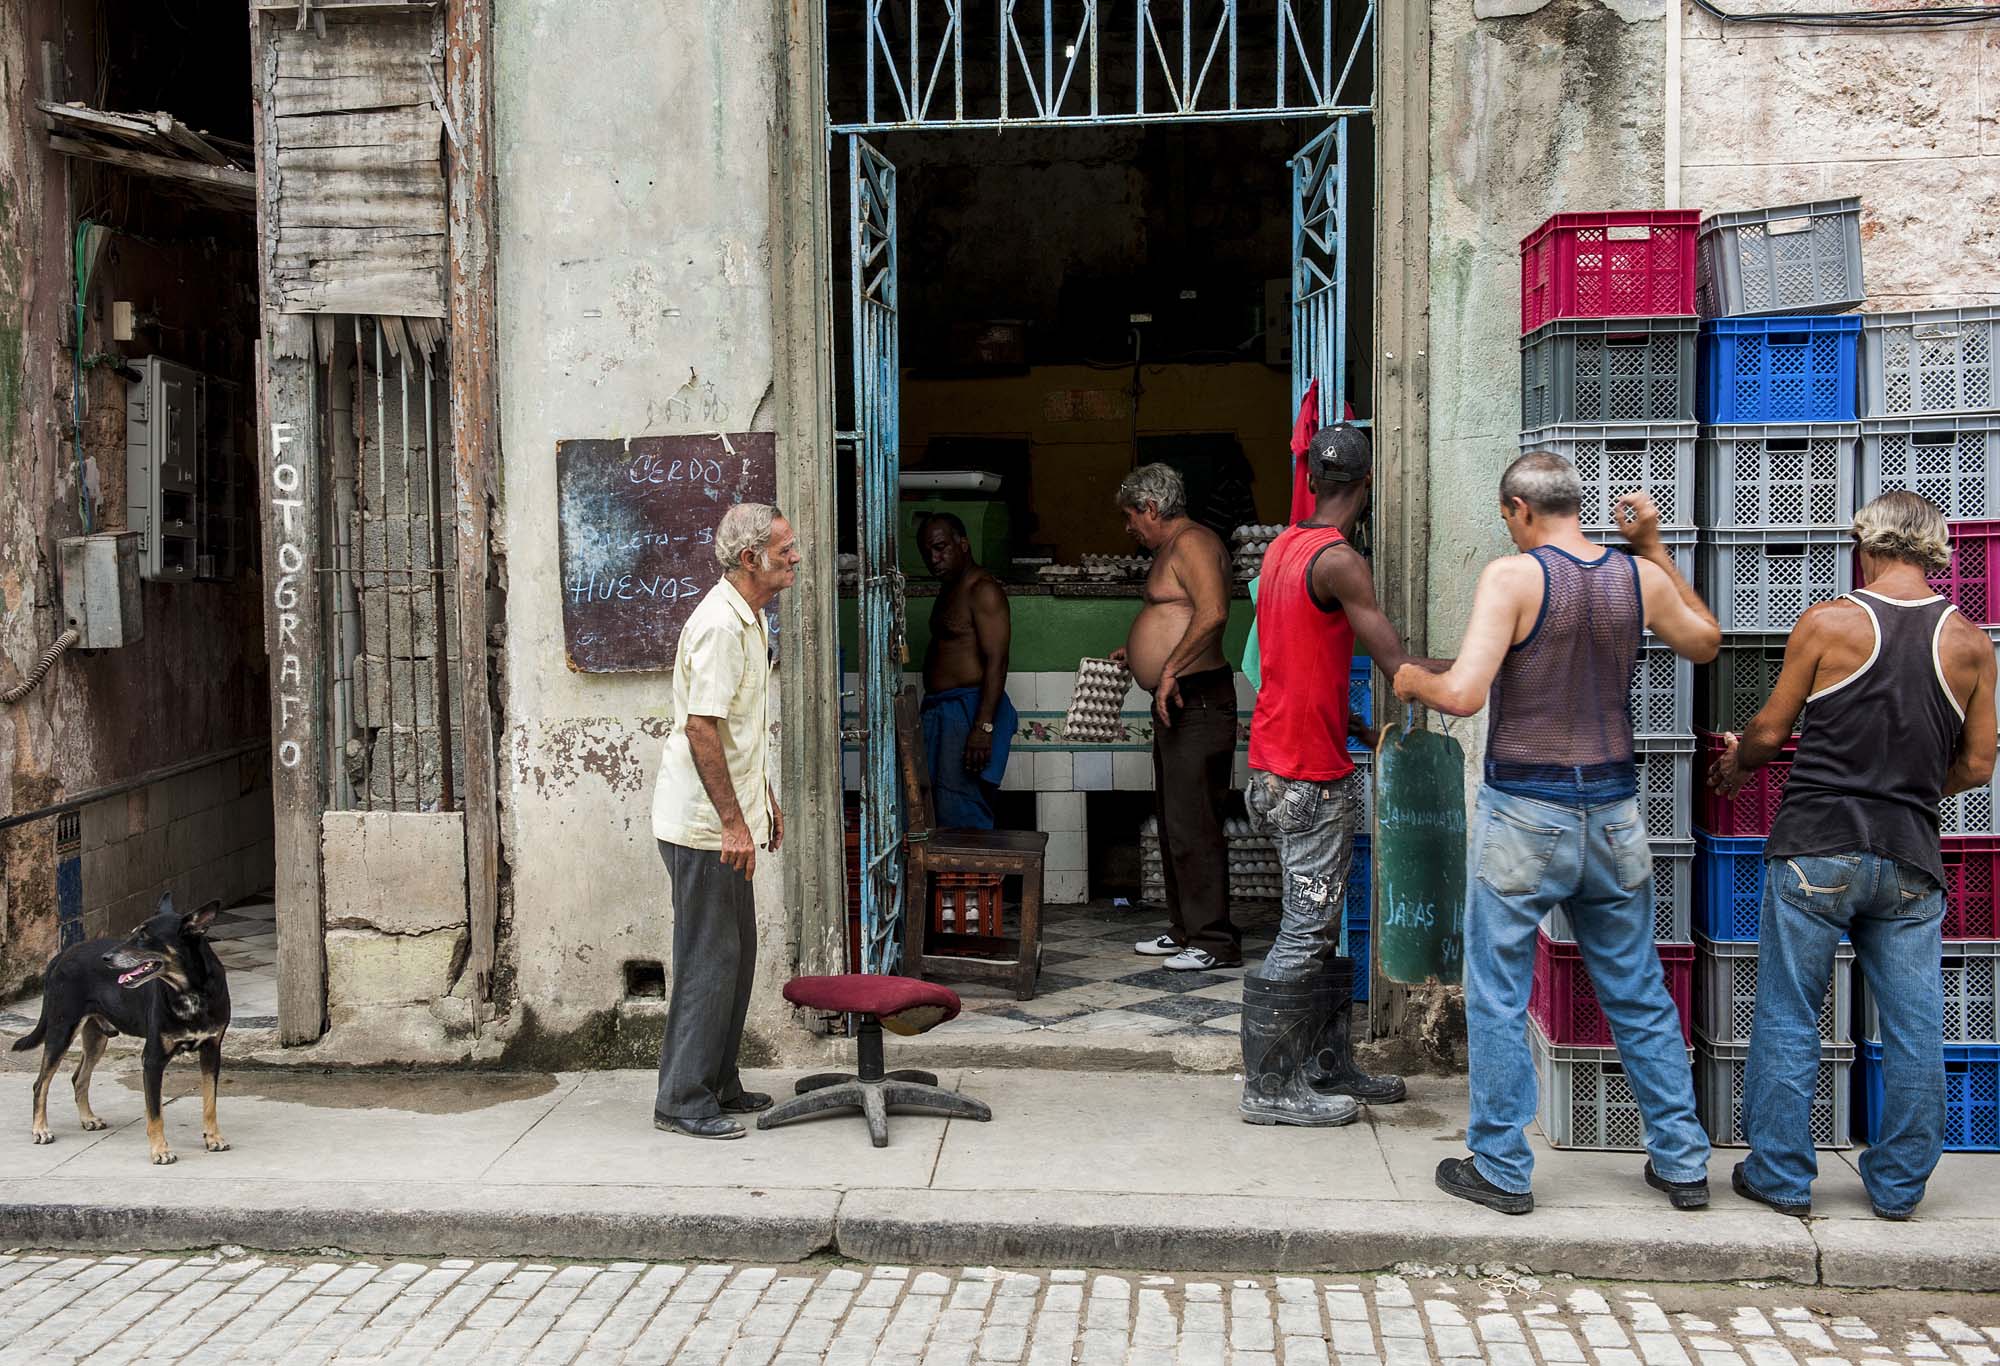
(1562, 701)
(1875, 747)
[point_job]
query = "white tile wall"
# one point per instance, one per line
(1060, 812)
(1053, 772)
(1132, 771)
(1066, 853)
(1065, 889)
(1057, 690)
(1020, 774)
(1091, 771)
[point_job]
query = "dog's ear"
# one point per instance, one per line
(202, 918)
(166, 906)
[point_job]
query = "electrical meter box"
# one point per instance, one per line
(100, 589)
(180, 472)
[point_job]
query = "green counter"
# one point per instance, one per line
(1051, 632)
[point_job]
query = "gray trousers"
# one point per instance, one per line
(715, 960)
(1313, 824)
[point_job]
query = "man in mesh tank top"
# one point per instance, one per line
(1897, 692)
(1554, 635)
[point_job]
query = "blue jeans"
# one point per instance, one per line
(1895, 916)
(1313, 824)
(1528, 857)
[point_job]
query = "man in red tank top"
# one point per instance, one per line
(1315, 598)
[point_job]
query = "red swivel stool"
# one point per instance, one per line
(906, 1005)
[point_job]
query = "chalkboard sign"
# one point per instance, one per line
(637, 525)
(1420, 856)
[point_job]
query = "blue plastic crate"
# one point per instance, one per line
(1728, 887)
(1804, 369)
(1361, 694)
(1354, 929)
(1971, 1096)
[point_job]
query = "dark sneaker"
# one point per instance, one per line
(1458, 1176)
(708, 1126)
(748, 1103)
(1741, 1185)
(1680, 1194)
(1881, 1213)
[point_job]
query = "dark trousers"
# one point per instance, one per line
(1191, 767)
(715, 960)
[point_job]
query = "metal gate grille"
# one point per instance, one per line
(391, 615)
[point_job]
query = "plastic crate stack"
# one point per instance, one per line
(1930, 422)
(1608, 332)
(1778, 483)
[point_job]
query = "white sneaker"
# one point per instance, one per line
(1195, 960)
(1157, 948)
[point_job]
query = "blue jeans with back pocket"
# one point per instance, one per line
(1894, 914)
(1527, 857)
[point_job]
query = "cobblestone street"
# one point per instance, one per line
(243, 1308)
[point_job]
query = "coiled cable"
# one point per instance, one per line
(41, 669)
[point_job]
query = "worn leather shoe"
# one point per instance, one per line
(706, 1126)
(1459, 1176)
(1680, 1194)
(748, 1103)
(1741, 1185)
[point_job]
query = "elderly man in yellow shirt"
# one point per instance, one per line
(713, 808)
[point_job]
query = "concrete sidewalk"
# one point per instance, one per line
(1082, 1169)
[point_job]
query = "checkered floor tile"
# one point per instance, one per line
(1093, 982)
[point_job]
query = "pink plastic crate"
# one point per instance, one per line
(1972, 887)
(1751, 811)
(1563, 1000)
(1975, 569)
(1637, 264)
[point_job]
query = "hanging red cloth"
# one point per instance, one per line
(1302, 435)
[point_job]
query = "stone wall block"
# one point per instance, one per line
(366, 967)
(397, 871)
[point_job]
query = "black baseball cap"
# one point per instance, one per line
(1340, 454)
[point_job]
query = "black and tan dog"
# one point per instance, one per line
(162, 983)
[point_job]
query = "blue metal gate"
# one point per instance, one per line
(877, 358)
(1319, 270)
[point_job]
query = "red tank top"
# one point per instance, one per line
(1299, 729)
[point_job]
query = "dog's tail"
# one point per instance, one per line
(34, 1037)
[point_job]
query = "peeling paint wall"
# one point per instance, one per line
(1908, 121)
(634, 180)
(1536, 108)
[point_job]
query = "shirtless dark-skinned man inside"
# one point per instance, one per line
(1175, 653)
(967, 718)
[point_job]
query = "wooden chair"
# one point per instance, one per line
(1004, 853)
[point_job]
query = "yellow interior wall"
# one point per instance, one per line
(1078, 463)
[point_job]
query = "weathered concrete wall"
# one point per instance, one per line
(202, 835)
(635, 156)
(1535, 109)
(1908, 121)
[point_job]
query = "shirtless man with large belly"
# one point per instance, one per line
(968, 722)
(1175, 653)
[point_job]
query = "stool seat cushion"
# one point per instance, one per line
(906, 1005)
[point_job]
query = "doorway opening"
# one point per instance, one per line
(1033, 312)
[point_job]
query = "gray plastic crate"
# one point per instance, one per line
(1608, 370)
(1718, 1093)
(1783, 475)
(1757, 581)
(1971, 1004)
(1725, 992)
(1584, 1099)
(1952, 460)
(1735, 687)
(1799, 258)
(1938, 360)
(1662, 692)
(1616, 459)
(1666, 777)
(1673, 897)
(1972, 812)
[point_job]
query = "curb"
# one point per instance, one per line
(954, 1228)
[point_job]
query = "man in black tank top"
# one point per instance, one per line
(1897, 691)
(1549, 651)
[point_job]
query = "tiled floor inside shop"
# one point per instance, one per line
(245, 938)
(1092, 982)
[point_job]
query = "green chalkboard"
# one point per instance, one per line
(1420, 856)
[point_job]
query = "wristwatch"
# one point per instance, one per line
(986, 726)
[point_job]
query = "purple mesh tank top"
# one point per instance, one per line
(1561, 708)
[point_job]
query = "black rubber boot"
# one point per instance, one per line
(1331, 1070)
(1277, 1038)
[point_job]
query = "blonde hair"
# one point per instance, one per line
(1900, 525)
